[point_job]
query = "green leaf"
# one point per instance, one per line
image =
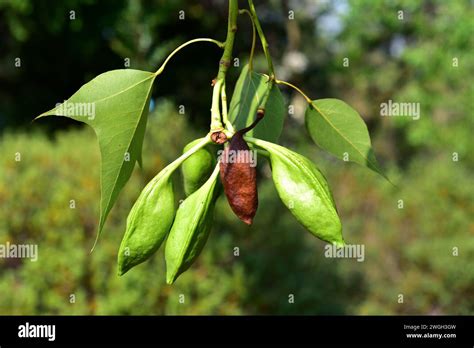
(115, 104)
(248, 93)
(338, 128)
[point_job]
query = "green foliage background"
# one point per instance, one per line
(408, 251)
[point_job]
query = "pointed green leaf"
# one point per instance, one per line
(248, 93)
(338, 128)
(115, 104)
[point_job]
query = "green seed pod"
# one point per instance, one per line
(190, 229)
(305, 191)
(148, 222)
(197, 168)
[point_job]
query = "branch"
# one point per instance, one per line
(216, 123)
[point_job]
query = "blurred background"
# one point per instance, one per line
(418, 236)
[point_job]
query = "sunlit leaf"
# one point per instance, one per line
(115, 104)
(338, 128)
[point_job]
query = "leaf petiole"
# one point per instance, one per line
(177, 162)
(254, 37)
(263, 39)
(225, 118)
(162, 67)
(308, 99)
(263, 103)
(216, 123)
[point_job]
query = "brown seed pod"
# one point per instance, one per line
(239, 176)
